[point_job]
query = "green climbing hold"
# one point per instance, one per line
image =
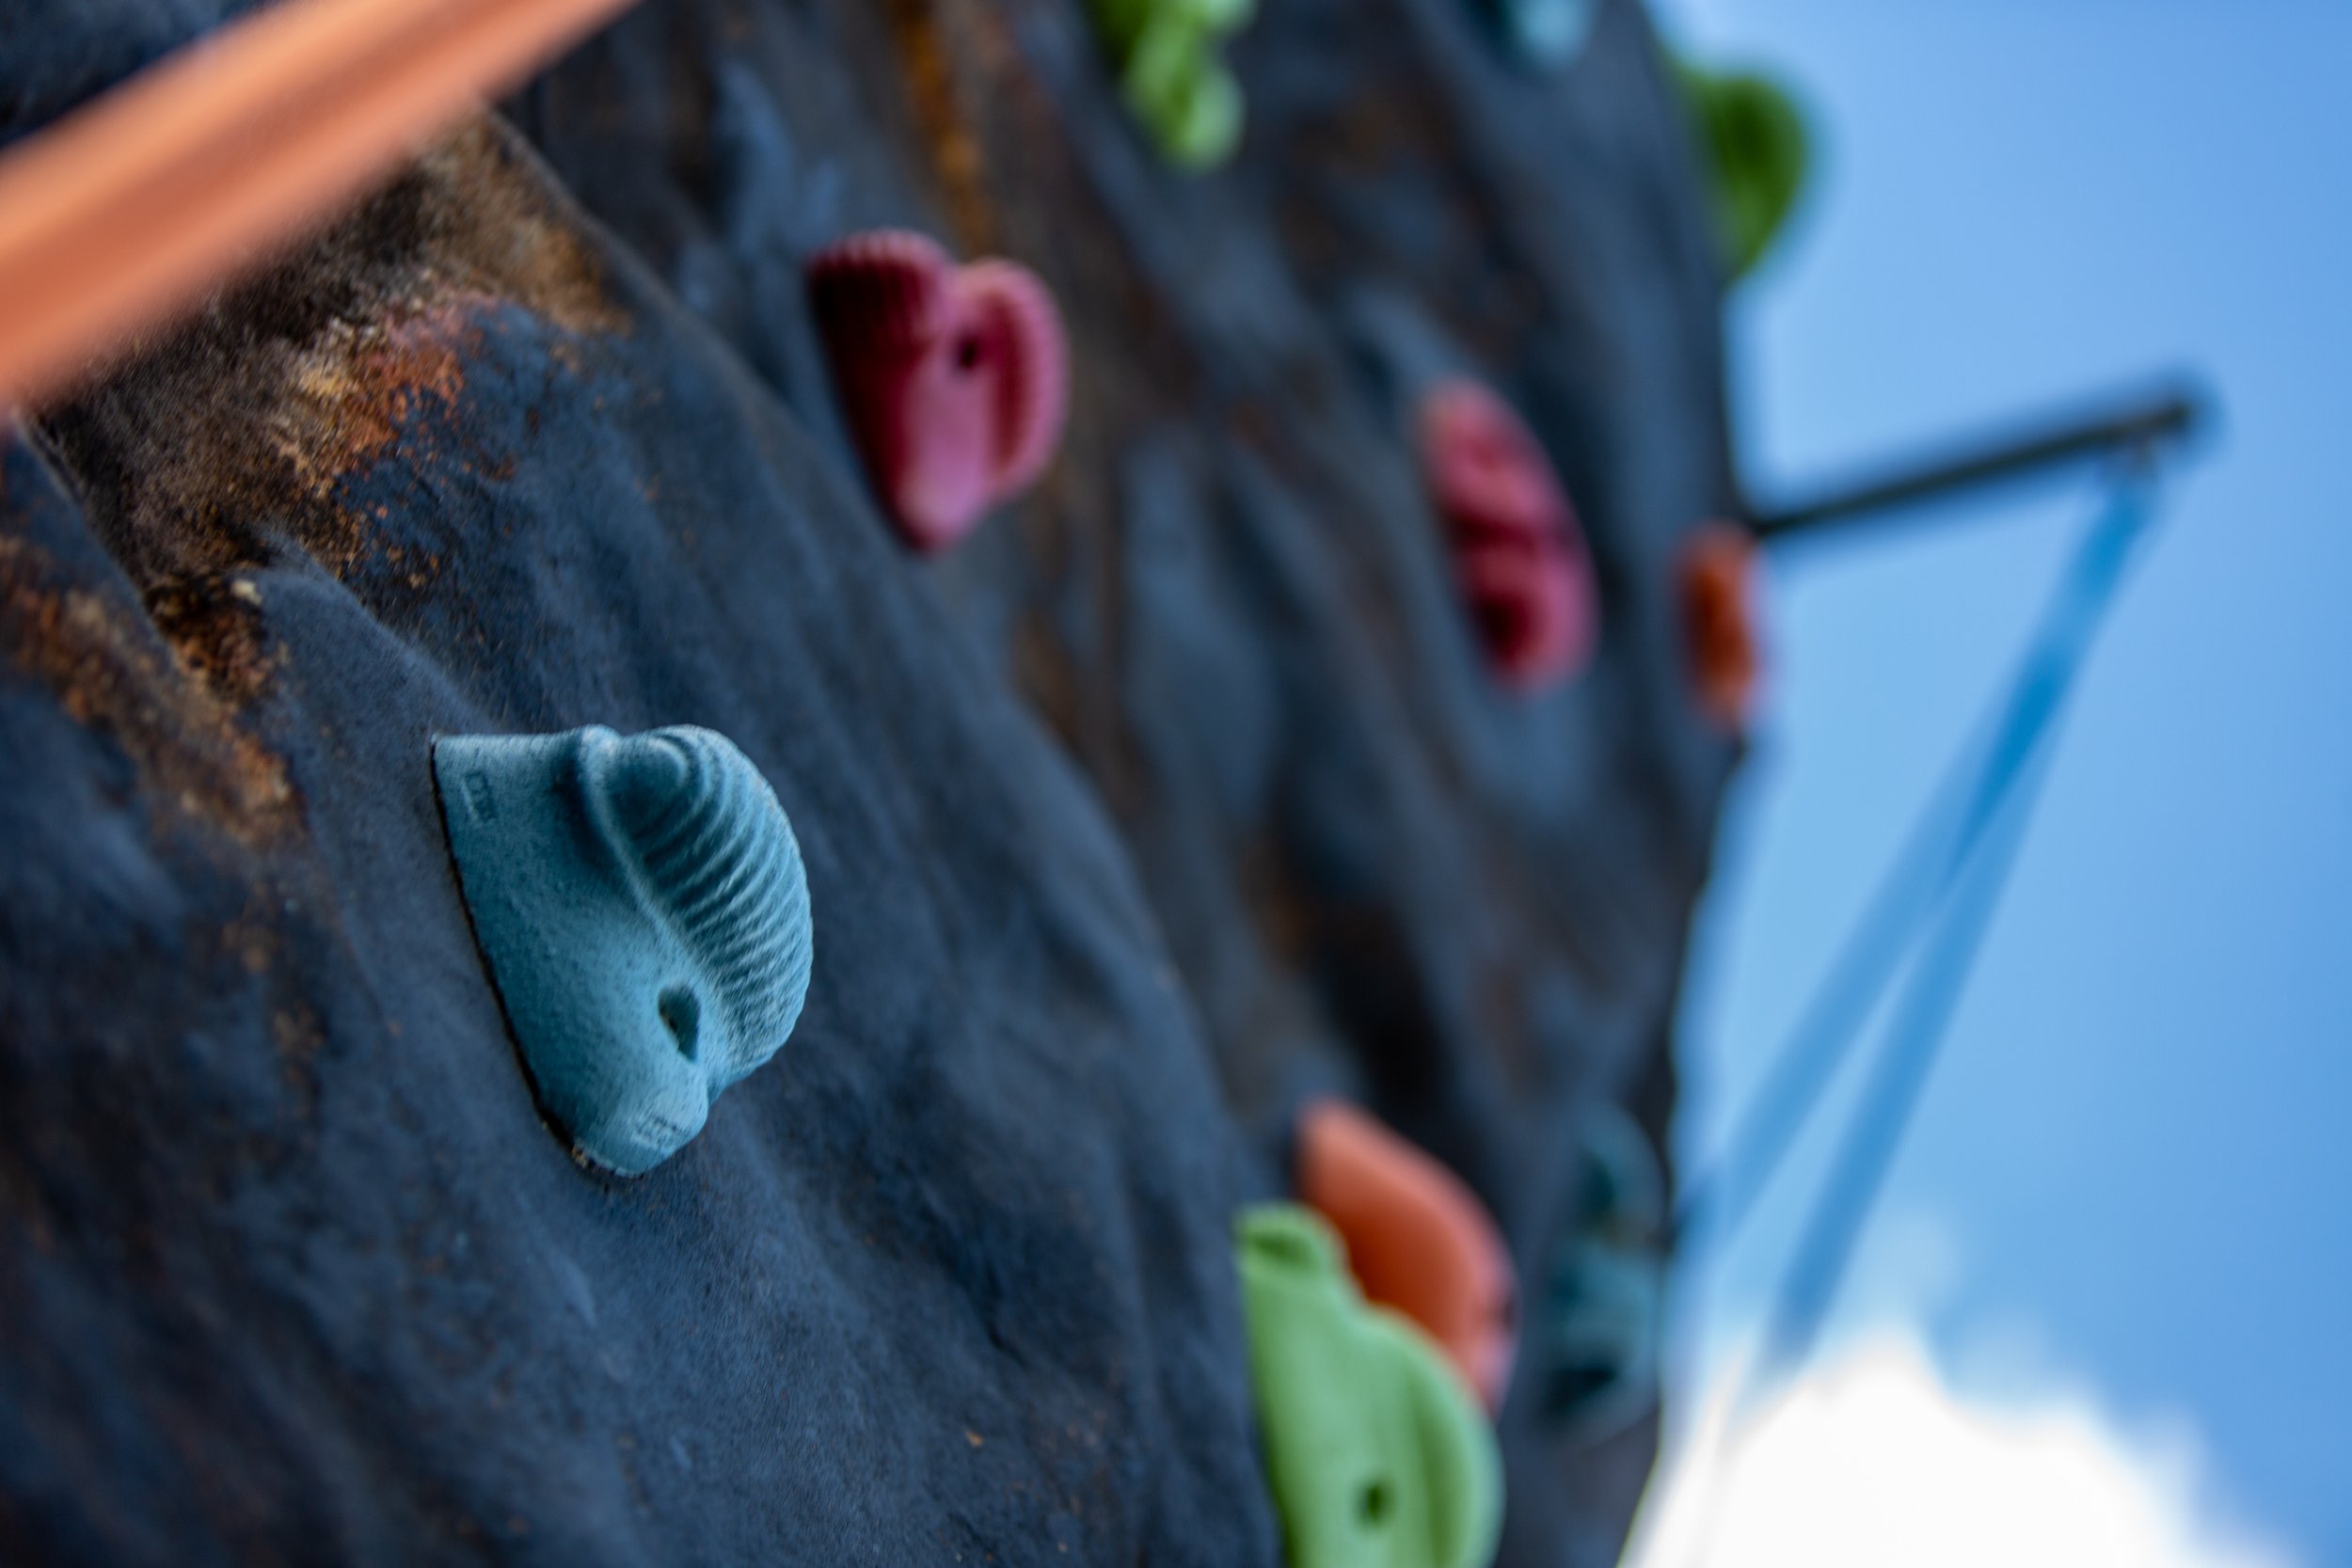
(1377, 1451)
(1757, 151)
(1171, 75)
(1177, 89)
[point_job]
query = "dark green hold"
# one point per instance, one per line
(1757, 151)
(1377, 1454)
(643, 908)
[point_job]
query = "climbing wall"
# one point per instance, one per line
(1178, 794)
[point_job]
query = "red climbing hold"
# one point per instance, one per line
(1719, 620)
(1417, 1240)
(1517, 549)
(955, 380)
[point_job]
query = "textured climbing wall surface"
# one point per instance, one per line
(1176, 794)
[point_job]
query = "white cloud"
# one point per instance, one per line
(1874, 1462)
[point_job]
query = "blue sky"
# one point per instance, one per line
(2132, 1174)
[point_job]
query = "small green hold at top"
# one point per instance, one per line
(1171, 75)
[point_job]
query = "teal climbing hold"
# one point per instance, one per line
(1753, 140)
(1173, 76)
(1604, 1309)
(1607, 1311)
(1622, 1199)
(642, 910)
(1546, 34)
(1376, 1452)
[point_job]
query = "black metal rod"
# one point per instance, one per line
(2133, 429)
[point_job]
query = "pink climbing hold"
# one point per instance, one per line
(955, 380)
(1517, 549)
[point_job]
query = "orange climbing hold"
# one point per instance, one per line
(1719, 620)
(1417, 1239)
(954, 380)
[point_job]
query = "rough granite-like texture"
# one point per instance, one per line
(289, 1269)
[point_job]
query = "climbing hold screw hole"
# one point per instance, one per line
(1373, 1504)
(968, 352)
(1504, 622)
(1285, 1247)
(682, 1015)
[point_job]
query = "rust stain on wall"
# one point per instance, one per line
(113, 674)
(200, 453)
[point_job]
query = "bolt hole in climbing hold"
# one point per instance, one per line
(1375, 1504)
(682, 1016)
(968, 353)
(1288, 1246)
(1505, 623)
